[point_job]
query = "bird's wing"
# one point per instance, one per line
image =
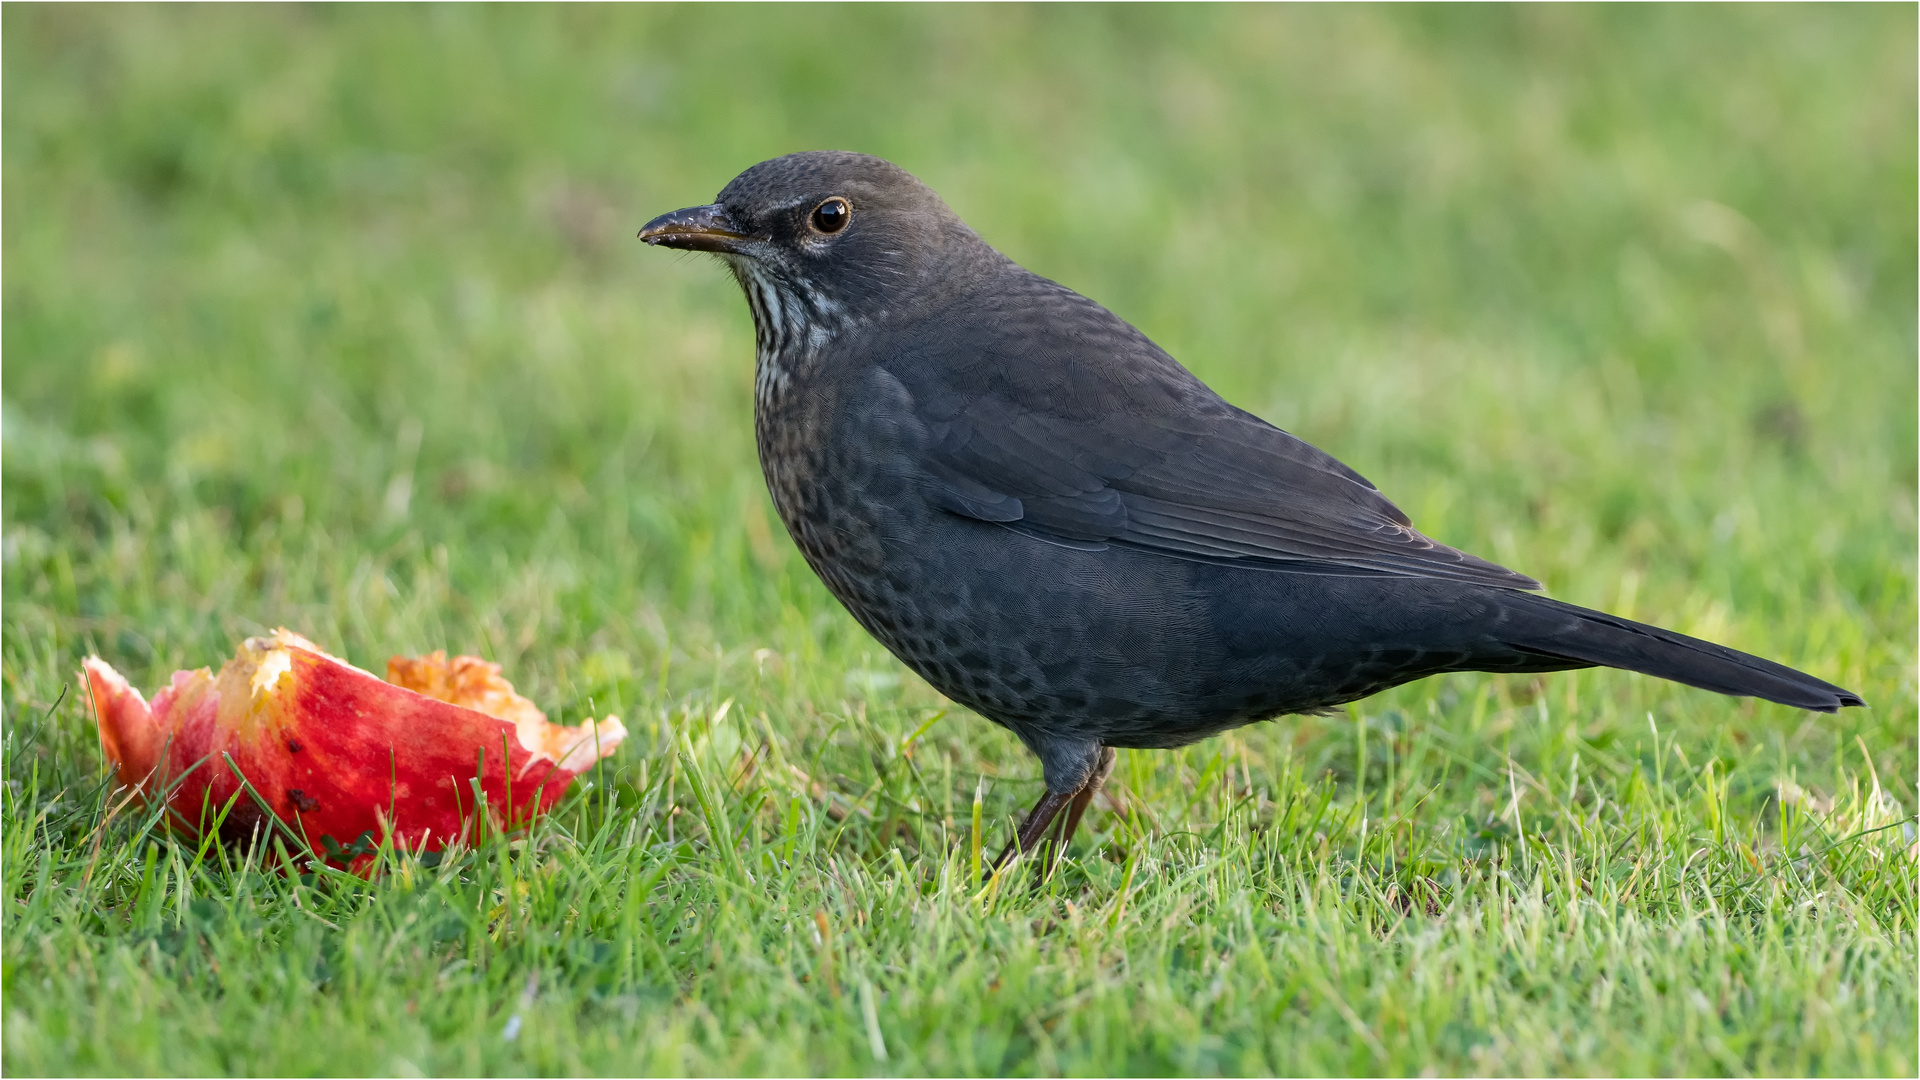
(1138, 452)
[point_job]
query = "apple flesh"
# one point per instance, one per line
(340, 758)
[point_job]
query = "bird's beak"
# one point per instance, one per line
(697, 228)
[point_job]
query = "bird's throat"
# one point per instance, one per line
(792, 322)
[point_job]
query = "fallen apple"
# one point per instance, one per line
(340, 758)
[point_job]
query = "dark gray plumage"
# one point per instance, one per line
(1055, 523)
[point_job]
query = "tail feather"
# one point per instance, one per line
(1560, 631)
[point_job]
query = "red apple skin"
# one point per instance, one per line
(133, 735)
(330, 750)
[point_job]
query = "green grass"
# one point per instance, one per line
(332, 318)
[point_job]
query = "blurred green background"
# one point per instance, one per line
(331, 317)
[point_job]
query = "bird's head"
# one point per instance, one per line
(823, 238)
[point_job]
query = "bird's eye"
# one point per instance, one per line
(832, 216)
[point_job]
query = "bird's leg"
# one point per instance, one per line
(1084, 797)
(1035, 827)
(1033, 831)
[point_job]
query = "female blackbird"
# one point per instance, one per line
(1055, 523)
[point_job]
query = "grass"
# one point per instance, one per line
(331, 318)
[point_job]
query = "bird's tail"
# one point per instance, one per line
(1556, 631)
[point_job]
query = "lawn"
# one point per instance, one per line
(331, 317)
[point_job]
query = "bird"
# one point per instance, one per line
(1056, 524)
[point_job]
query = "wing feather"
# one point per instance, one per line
(1107, 440)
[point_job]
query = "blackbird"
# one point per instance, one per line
(1056, 524)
